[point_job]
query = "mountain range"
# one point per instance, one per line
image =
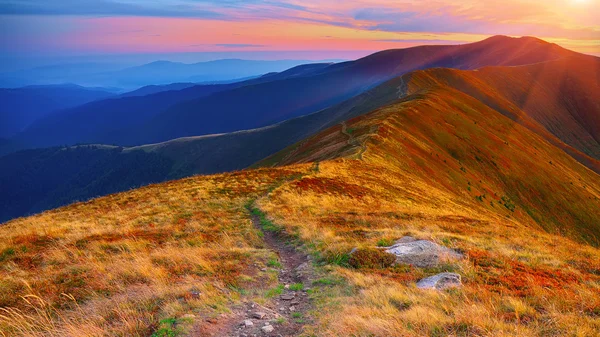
(435, 201)
(518, 78)
(129, 78)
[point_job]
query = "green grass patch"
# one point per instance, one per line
(275, 291)
(385, 242)
(297, 286)
(273, 263)
(167, 328)
(326, 281)
(265, 223)
(7, 254)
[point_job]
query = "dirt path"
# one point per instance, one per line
(286, 313)
(353, 141)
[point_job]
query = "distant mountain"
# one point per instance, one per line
(272, 98)
(155, 73)
(22, 106)
(154, 89)
(110, 121)
(59, 73)
(165, 72)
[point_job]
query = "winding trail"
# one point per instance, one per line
(352, 141)
(288, 312)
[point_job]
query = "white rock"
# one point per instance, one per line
(248, 323)
(440, 281)
(421, 253)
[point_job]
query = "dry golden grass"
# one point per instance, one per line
(120, 264)
(519, 281)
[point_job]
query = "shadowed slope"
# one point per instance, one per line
(19, 107)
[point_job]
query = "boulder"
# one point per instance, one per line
(421, 253)
(440, 281)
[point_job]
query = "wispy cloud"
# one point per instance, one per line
(289, 24)
(239, 45)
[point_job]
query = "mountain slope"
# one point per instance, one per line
(561, 96)
(22, 106)
(441, 135)
(185, 257)
(260, 105)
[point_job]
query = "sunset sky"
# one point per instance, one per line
(328, 28)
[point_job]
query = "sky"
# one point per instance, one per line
(281, 29)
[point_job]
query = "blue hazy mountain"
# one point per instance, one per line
(22, 106)
(154, 73)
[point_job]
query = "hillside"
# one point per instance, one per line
(111, 121)
(196, 256)
(19, 107)
(260, 102)
(561, 96)
(36, 180)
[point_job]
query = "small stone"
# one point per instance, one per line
(440, 281)
(295, 302)
(259, 315)
(263, 269)
(212, 320)
(287, 297)
(292, 308)
(248, 323)
(287, 286)
(267, 328)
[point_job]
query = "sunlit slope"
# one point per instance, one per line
(562, 96)
(133, 259)
(485, 160)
